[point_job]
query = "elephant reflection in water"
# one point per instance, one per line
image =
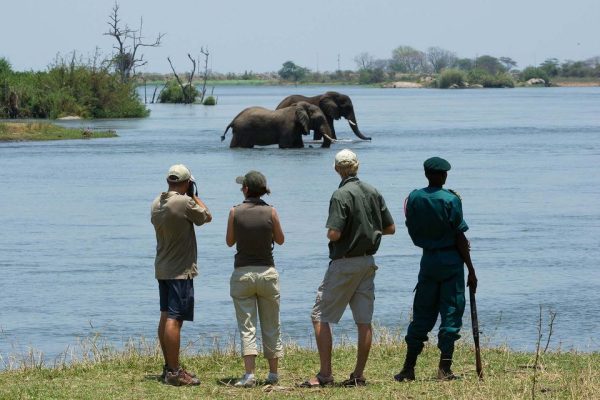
(334, 105)
(258, 126)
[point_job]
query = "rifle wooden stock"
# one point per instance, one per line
(475, 324)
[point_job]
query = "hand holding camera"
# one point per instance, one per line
(192, 189)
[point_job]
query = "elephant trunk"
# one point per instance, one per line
(354, 126)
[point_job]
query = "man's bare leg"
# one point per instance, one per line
(161, 334)
(171, 339)
(365, 336)
(273, 364)
(324, 345)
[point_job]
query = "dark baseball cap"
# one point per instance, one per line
(255, 182)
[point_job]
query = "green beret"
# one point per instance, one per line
(436, 164)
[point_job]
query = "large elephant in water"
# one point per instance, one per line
(334, 105)
(285, 127)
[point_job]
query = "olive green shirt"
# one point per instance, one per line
(173, 216)
(359, 212)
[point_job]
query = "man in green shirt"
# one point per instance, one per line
(435, 223)
(358, 217)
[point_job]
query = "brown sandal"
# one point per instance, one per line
(322, 382)
(353, 381)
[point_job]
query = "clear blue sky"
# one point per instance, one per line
(261, 35)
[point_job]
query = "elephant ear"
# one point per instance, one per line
(303, 119)
(329, 107)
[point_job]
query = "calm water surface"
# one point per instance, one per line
(77, 247)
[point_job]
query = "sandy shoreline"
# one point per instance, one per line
(576, 84)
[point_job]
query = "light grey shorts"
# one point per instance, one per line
(347, 281)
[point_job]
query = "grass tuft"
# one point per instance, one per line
(30, 131)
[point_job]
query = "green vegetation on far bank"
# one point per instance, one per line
(133, 374)
(23, 131)
(67, 88)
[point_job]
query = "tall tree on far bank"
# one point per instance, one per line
(508, 63)
(129, 41)
(292, 72)
(489, 64)
(408, 60)
(440, 58)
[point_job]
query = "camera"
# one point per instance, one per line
(192, 189)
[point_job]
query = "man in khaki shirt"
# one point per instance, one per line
(174, 214)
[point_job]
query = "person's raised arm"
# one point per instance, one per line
(230, 236)
(278, 235)
(201, 204)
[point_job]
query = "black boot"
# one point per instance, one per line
(408, 370)
(444, 370)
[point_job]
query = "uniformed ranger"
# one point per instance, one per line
(435, 223)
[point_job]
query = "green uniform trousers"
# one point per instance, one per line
(440, 290)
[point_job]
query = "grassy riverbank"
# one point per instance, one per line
(17, 131)
(133, 374)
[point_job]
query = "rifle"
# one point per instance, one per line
(475, 324)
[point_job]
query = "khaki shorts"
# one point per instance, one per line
(347, 281)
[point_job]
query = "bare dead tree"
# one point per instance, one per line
(205, 77)
(186, 89)
(129, 42)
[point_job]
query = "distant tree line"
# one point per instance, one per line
(408, 63)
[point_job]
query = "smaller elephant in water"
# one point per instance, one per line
(258, 126)
(334, 105)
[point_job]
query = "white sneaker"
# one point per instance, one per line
(247, 381)
(272, 379)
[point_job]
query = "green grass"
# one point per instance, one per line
(23, 131)
(132, 373)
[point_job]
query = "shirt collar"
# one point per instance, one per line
(255, 200)
(348, 179)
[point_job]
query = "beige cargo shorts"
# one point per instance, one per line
(347, 281)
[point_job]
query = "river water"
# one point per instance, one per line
(77, 247)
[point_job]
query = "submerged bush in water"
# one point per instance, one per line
(210, 101)
(173, 93)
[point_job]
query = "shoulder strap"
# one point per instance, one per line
(454, 192)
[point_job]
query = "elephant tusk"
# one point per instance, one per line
(329, 138)
(351, 122)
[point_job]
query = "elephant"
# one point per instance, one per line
(334, 105)
(285, 127)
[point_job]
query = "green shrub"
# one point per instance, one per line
(173, 93)
(210, 101)
(479, 76)
(534, 72)
(451, 77)
(71, 89)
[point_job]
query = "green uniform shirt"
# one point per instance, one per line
(359, 212)
(433, 217)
